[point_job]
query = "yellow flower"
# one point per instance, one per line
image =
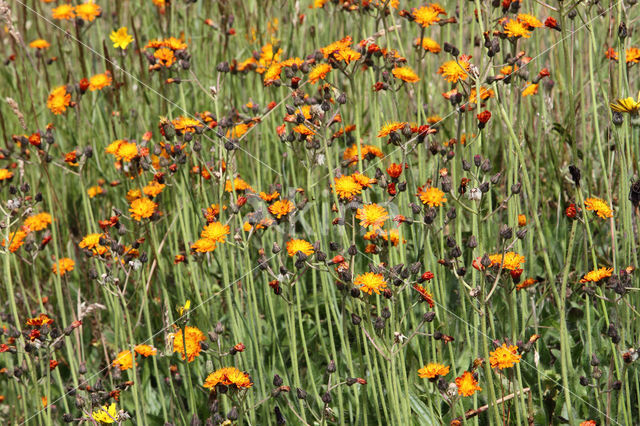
(597, 275)
(427, 15)
(194, 337)
(372, 215)
(370, 282)
(228, 376)
(281, 208)
(512, 261)
(453, 71)
(405, 74)
(64, 265)
(58, 100)
(346, 187)
(106, 414)
(100, 81)
(122, 150)
(530, 20)
(432, 196)
(88, 11)
(5, 174)
(15, 240)
(153, 189)
(124, 360)
(628, 105)
(121, 39)
(204, 245)
(165, 56)
(515, 29)
(216, 232)
(145, 350)
(433, 370)
(295, 246)
(394, 126)
(64, 11)
(530, 89)
(467, 385)
(184, 309)
(319, 72)
(95, 191)
(504, 357)
(38, 222)
(599, 206)
(92, 242)
(428, 44)
(142, 208)
(39, 44)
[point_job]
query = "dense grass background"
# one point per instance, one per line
(576, 366)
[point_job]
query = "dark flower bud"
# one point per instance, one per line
(232, 414)
(496, 178)
(333, 246)
(277, 380)
(516, 187)
(355, 319)
(351, 381)
(331, 367)
(584, 381)
(506, 232)
(223, 67)
(575, 174)
(386, 313)
(622, 31)
(301, 393)
(485, 260)
(472, 242)
(442, 384)
(521, 233)
(280, 420)
(451, 242)
(634, 193)
(342, 98)
(378, 323)
(67, 418)
(617, 118)
(326, 398)
(451, 214)
(612, 332)
(429, 316)
(437, 335)
(486, 165)
(477, 160)
(617, 385)
(572, 14)
(466, 166)
(484, 187)
(455, 252)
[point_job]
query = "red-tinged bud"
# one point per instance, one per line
(76, 324)
(361, 381)
(484, 117)
(83, 85)
(173, 168)
(391, 189)
(515, 275)
(53, 364)
(239, 347)
(45, 241)
(544, 72)
(379, 86)
(337, 259)
(209, 22)
(231, 31)
(426, 277)
(552, 23)
(571, 211)
(281, 129)
(35, 139)
(179, 258)
(394, 170)
(271, 105)
(476, 263)
(295, 81)
(241, 201)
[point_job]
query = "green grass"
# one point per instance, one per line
(317, 332)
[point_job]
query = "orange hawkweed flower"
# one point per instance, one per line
(5, 174)
(319, 72)
(38, 222)
(346, 187)
(100, 81)
(405, 74)
(64, 11)
(372, 215)
(295, 246)
(597, 275)
(64, 265)
(58, 100)
(192, 342)
(599, 206)
(165, 56)
(530, 89)
(142, 208)
(428, 44)
(424, 294)
(453, 71)
(281, 208)
(40, 44)
(467, 384)
(370, 283)
(228, 376)
(92, 242)
(145, 350)
(15, 240)
(512, 261)
(433, 370)
(515, 29)
(216, 232)
(124, 360)
(394, 126)
(88, 11)
(504, 357)
(427, 15)
(39, 321)
(432, 196)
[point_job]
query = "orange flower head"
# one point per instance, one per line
(504, 357)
